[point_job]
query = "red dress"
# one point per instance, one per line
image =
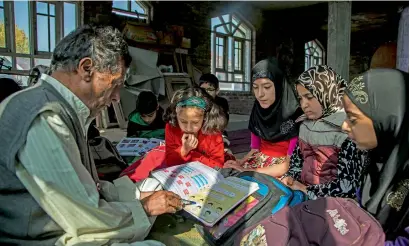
(210, 149)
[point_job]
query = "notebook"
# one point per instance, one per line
(137, 146)
(215, 196)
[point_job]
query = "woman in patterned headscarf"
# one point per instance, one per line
(272, 121)
(325, 162)
(377, 109)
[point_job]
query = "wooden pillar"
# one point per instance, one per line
(338, 37)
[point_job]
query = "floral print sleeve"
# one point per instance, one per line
(349, 168)
(295, 164)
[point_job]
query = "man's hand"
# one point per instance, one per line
(145, 194)
(189, 142)
(161, 202)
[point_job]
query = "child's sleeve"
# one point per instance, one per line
(173, 148)
(255, 141)
(214, 152)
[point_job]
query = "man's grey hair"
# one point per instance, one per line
(105, 45)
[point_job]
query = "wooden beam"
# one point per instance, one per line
(338, 37)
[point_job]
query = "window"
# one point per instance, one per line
(231, 52)
(314, 54)
(132, 8)
(29, 32)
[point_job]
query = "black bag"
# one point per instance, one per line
(270, 197)
(107, 160)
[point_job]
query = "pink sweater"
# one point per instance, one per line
(256, 143)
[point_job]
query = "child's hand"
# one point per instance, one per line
(189, 142)
(288, 181)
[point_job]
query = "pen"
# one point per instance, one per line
(187, 202)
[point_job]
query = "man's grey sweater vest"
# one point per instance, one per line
(22, 220)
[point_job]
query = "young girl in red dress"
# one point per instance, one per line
(193, 132)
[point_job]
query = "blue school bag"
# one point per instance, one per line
(271, 197)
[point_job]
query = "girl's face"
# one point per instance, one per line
(358, 126)
(264, 91)
(310, 105)
(190, 119)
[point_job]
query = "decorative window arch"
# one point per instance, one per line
(231, 45)
(314, 54)
(141, 10)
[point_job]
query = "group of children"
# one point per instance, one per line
(320, 134)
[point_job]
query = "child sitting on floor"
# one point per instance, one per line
(325, 162)
(146, 120)
(193, 130)
(192, 133)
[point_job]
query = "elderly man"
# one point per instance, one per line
(50, 193)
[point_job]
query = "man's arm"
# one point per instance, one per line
(50, 168)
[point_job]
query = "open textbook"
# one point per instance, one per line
(137, 146)
(215, 196)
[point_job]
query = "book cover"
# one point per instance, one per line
(137, 146)
(214, 195)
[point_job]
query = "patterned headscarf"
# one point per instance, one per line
(326, 86)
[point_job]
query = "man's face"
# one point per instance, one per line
(212, 91)
(105, 88)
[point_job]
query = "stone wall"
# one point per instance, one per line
(239, 102)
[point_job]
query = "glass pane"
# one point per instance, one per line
(238, 87)
(215, 21)
(2, 30)
(1, 4)
(52, 33)
(220, 57)
(135, 7)
(42, 33)
(23, 63)
(118, 4)
(221, 76)
(231, 56)
(239, 34)
(230, 77)
(6, 62)
(22, 27)
(235, 21)
(226, 18)
(226, 86)
(52, 9)
(21, 80)
(45, 62)
(70, 20)
(42, 8)
(238, 78)
(221, 29)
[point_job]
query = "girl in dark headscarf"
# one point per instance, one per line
(272, 121)
(376, 105)
(325, 162)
